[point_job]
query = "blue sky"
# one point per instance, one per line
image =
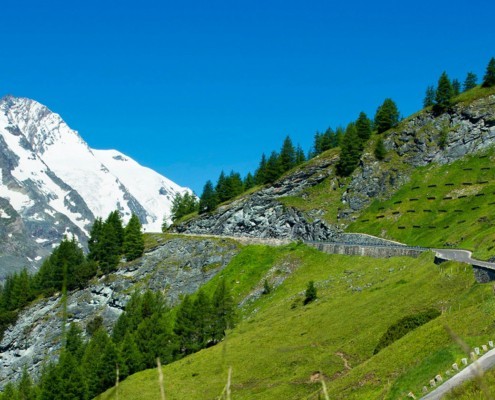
(189, 88)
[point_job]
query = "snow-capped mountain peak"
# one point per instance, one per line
(54, 183)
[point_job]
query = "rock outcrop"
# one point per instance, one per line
(179, 266)
(422, 139)
(262, 215)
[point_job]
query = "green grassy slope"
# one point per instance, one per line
(280, 343)
(445, 206)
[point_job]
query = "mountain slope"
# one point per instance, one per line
(52, 183)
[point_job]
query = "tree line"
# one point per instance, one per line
(440, 99)
(145, 331)
(352, 140)
(67, 268)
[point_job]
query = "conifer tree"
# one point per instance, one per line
(273, 168)
(456, 87)
(300, 157)
(287, 156)
(443, 94)
(208, 201)
(110, 243)
(387, 116)
(25, 387)
(133, 239)
(311, 293)
(116, 221)
(94, 244)
(130, 356)
(470, 82)
(222, 190)
(234, 185)
(363, 127)
(489, 78)
(350, 152)
(224, 311)
(183, 204)
(185, 326)
(260, 174)
(429, 99)
(249, 181)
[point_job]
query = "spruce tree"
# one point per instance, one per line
(456, 87)
(363, 127)
(489, 78)
(260, 174)
(185, 326)
(234, 184)
(110, 243)
(470, 82)
(116, 221)
(287, 156)
(208, 201)
(311, 293)
(249, 181)
(94, 244)
(300, 157)
(130, 356)
(387, 116)
(133, 246)
(273, 169)
(222, 188)
(443, 94)
(350, 152)
(224, 311)
(429, 99)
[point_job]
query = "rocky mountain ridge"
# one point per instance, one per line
(417, 141)
(175, 267)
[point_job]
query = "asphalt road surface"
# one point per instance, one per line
(478, 367)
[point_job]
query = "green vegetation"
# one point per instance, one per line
(442, 205)
(443, 94)
(68, 269)
(470, 82)
(279, 343)
(183, 204)
(404, 326)
(387, 116)
(489, 78)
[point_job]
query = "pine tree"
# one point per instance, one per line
(25, 387)
(208, 201)
(115, 220)
(287, 156)
(273, 169)
(456, 87)
(489, 78)
(133, 246)
(260, 174)
(222, 190)
(234, 184)
(183, 204)
(444, 93)
(470, 82)
(224, 311)
(311, 293)
(380, 150)
(94, 244)
(350, 152)
(363, 127)
(300, 157)
(387, 116)
(429, 99)
(249, 181)
(110, 244)
(130, 356)
(185, 326)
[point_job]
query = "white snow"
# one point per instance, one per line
(101, 177)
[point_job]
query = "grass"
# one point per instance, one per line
(442, 206)
(279, 344)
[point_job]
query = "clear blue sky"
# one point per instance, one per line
(189, 88)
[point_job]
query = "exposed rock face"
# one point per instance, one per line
(261, 215)
(423, 139)
(179, 266)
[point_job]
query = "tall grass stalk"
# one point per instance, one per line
(160, 379)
